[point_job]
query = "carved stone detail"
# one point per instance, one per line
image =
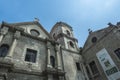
(11, 51)
(4, 30)
(17, 35)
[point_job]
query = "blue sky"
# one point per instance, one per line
(80, 14)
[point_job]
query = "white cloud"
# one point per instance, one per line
(93, 8)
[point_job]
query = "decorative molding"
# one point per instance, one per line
(17, 35)
(4, 30)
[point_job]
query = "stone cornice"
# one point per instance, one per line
(26, 72)
(75, 52)
(6, 64)
(13, 25)
(54, 71)
(26, 34)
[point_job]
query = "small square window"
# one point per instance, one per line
(31, 55)
(78, 66)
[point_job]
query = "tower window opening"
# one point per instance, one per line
(52, 60)
(71, 44)
(68, 33)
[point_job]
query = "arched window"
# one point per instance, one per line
(34, 32)
(68, 33)
(52, 60)
(4, 50)
(71, 44)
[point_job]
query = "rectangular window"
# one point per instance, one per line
(93, 67)
(31, 55)
(78, 66)
(117, 52)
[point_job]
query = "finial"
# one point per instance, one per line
(36, 19)
(90, 31)
(110, 24)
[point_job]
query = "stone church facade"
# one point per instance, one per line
(29, 52)
(101, 53)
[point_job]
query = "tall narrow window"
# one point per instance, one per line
(68, 33)
(52, 60)
(54, 35)
(78, 66)
(93, 67)
(31, 55)
(88, 72)
(71, 44)
(4, 50)
(117, 52)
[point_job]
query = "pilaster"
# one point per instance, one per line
(57, 48)
(48, 55)
(84, 71)
(14, 43)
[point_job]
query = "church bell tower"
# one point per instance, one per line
(63, 34)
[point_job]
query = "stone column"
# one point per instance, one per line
(48, 56)
(16, 36)
(58, 57)
(3, 32)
